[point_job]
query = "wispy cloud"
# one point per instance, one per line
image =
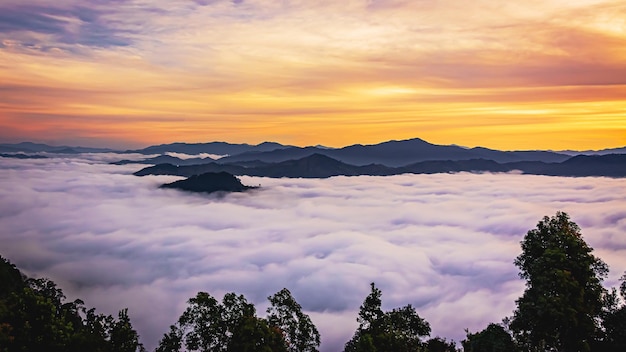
(253, 70)
(49, 27)
(444, 243)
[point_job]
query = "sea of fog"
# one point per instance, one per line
(444, 243)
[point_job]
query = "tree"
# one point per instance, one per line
(399, 330)
(439, 344)
(370, 312)
(563, 300)
(253, 334)
(229, 326)
(123, 337)
(614, 321)
(297, 328)
(205, 324)
(34, 316)
(494, 338)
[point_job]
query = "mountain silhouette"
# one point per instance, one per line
(165, 159)
(208, 183)
(29, 147)
(22, 156)
(217, 148)
(397, 153)
(321, 166)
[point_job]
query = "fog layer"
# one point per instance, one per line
(444, 243)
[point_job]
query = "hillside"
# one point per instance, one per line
(208, 183)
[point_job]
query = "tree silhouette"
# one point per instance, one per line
(560, 307)
(298, 330)
(399, 330)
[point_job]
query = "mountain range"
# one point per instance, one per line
(321, 166)
(388, 158)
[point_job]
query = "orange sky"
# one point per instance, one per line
(515, 75)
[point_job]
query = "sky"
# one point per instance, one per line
(547, 74)
(444, 243)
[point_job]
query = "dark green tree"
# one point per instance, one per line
(399, 330)
(614, 321)
(563, 300)
(123, 337)
(34, 316)
(439, 344)
(253, 334)
(370, 312)
(205, 325)
(229, 326)
(285, 314)
(171, 341)
(494, 338)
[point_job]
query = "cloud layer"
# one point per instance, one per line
(308, 72)
(444, 243)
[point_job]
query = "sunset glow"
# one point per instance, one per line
(531, 75)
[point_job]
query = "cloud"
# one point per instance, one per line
(201, 155)
(276, 69)
(46, 27)
(444, 243)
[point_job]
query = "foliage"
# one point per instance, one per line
(438, 344)
(34, 316)
(208, 325)
(398, 330)
(298, 330)
(494, 338)
(253, 334)
(560, 307)
(614, 321)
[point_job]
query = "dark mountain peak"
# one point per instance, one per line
(160, 169)
(316, 158)
(316, 165)
(413, 141)
(219, 148)
(209, 182)
(271, 145)
(592, 159)
(405, 144)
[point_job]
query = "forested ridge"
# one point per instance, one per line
(564, 308)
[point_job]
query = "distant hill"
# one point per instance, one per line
(208, 183)
(611, 165)
(218, 148)
(8, 149)
(316, 166)
(595, 152)
(441, 166)
(312, 166)
(190, 170)
(22, 156)
(29, 147)
(397, 153)
(165, 159)
(382, 158)
(321, 166)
